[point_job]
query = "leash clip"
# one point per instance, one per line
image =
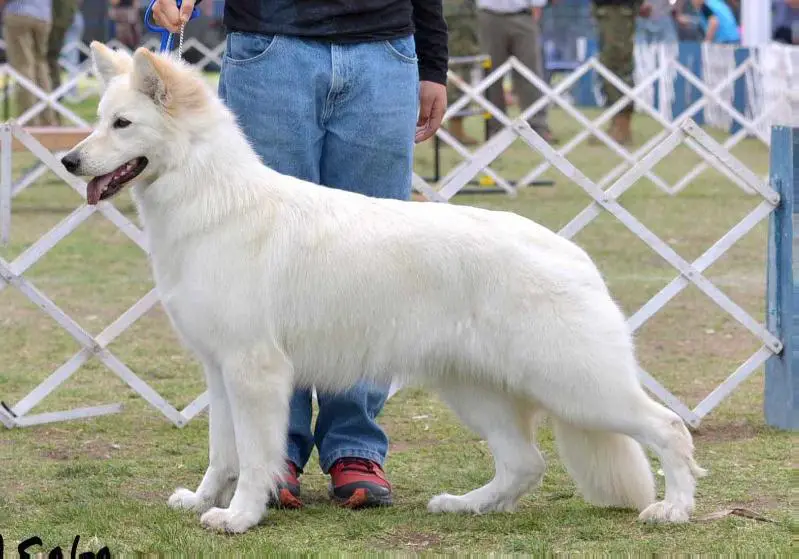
(166, 35)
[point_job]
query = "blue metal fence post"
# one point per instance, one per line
(685, 94)
(740, 100)
(781, 398)
(584, 95)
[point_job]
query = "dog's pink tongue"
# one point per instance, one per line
(96, 186)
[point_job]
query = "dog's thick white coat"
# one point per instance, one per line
(272, 281)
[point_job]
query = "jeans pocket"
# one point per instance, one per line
(244, 48)
(403, 48)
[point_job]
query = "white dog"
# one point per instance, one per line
(273, 281)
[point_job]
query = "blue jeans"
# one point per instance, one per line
(655, 30)
(343, 116)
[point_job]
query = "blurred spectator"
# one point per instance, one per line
(717, 21)
(26, 30)
(63, 15)
(786, 21)
(616, 27)
(127, 21)
(512, 28)
(461, 18)
(74, 35)
(735, 6)
(687, 18)
(659, 27)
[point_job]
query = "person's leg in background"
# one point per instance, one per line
(456, 125)
(259, 72)
(616, 30)
(371, 122)
(41, 38)
(525, 36)
(74, 35)
(661, 29)
(63, 16)
(19, 50)
(643, 32)
(461, 18)
(492, 30)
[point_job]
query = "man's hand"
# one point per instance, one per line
(166, 14)
(432, 106)
(537, 14)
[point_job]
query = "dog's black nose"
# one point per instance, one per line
(71, 162)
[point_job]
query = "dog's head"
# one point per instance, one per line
(137, 135)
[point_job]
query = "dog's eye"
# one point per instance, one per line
(121, 123)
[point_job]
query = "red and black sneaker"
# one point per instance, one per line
(357, 483)
(288, 488)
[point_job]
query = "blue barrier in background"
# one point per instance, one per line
(781, 398)
(685, 94)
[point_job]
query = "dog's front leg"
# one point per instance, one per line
(219, 482)
(258, 384)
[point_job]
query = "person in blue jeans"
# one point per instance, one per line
(336, 93)
(659, 25)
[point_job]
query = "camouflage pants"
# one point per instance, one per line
(616, 28)
(63, 14)
(462, 41)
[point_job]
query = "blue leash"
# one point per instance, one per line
(166, 36)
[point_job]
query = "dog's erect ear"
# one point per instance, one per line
(109, 63)
(150, 75)
(170, 87)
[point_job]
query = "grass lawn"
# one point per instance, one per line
(108, 479)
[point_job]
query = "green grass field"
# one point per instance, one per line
(108, 479)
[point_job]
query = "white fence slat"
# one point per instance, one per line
(716, 251)
(6, 141)
(79, 413)
(623, 184)
(732, 163)
(56, 379)
(731, 383)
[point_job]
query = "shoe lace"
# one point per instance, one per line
(357, 465)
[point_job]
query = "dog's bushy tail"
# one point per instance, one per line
(610, 470)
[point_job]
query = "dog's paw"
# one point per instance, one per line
(454, 503)
(663, 512)
(226, 520)
(184, 499)
(449, 503)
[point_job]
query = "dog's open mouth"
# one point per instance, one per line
(106, 186)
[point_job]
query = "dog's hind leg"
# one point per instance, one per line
(611, 471)
(216, 487)
(507, 424)
(258, 385)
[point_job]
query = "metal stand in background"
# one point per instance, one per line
(6, 100)
(485, 187)
(485, 184)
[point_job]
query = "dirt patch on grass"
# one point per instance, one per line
(720, 432)
(62, 447)
(761, 503)
(411, 540)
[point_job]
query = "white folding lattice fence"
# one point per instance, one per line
(604, 193)
(637, 165)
